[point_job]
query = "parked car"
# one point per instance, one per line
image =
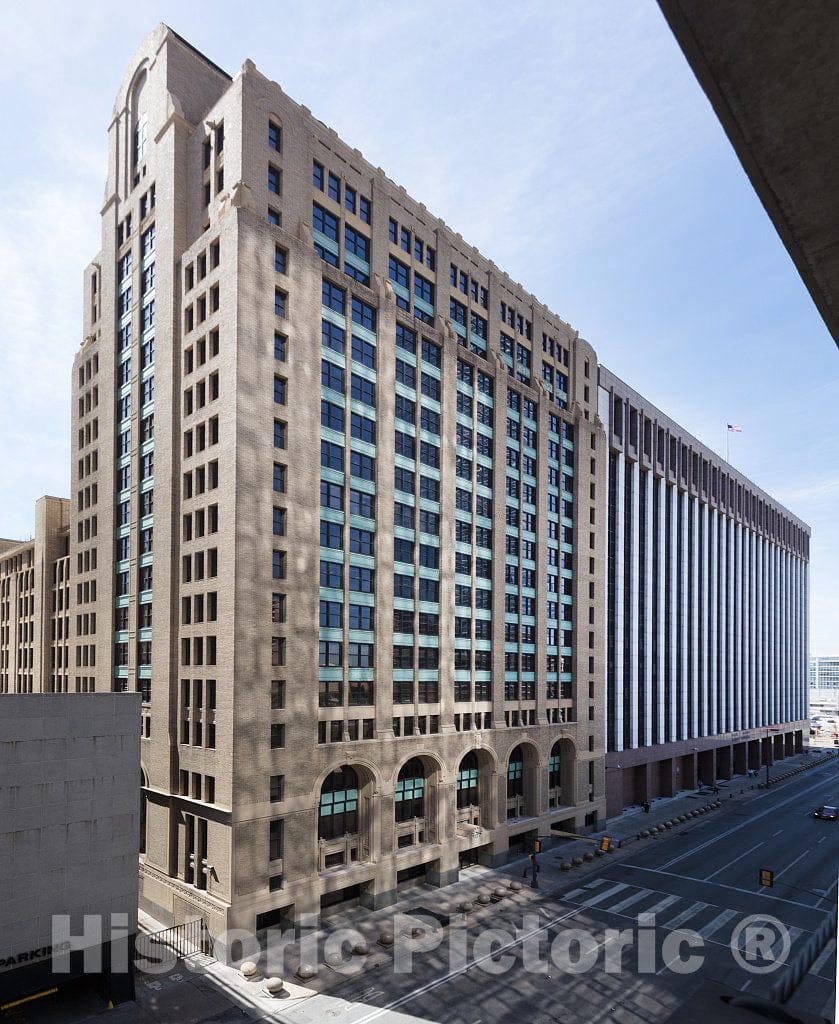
(826, 813)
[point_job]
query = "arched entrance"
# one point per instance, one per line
(344, 817)
(560, 774)
(555, 775)
(522, 797)
(474, 798)
(415, 802)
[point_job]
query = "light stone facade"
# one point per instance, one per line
(215, 615)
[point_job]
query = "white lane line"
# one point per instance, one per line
(728, 865)
(592, 901)
(824, 956)
(780, 830)
(828, 891)
(745, 824)
(634, 898)
(714, 926)
(733, 888)
(792, 865)
(685, 915)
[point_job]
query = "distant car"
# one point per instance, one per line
(826, 813)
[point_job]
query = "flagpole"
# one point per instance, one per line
(727, 440)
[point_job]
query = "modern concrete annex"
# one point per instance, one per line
(360, 670)
(706, 617)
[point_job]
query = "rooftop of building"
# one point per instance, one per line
(331, 138)
(608, 379)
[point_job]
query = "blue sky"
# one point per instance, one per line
(569, 142)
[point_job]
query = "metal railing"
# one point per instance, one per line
(176, 943)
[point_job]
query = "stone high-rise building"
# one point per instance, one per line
(357, 669)
(364, 667)
(35, 605)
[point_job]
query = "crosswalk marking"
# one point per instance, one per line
(634, 898)
(686, 915)
(594, 900)
(573, 894)
(657, 908)
(714, 926)
(597, 881)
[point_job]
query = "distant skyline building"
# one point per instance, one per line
(35, 604)
(823, 673)
(506, 589)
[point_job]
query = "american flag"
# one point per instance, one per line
(734, 429)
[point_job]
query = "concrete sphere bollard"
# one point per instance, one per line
(306, 971)
(565, 866)
(515, 886)
(465, 907)
(483, 898)
(577, 861)
(361, 949)
(274, 987)
(588, 856)
(334, 960)
(499, 893)
(248, 969)
(386, 938)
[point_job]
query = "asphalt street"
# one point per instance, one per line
(702, 878)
